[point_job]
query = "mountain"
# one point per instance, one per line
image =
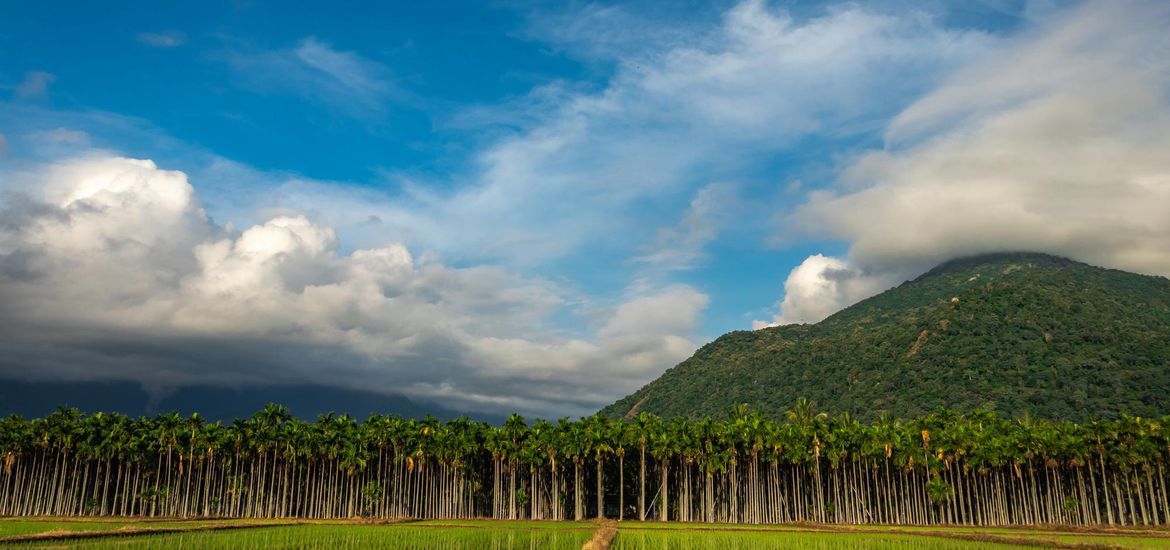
(1016, 333)
(38, 399)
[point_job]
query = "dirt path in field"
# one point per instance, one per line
(603, 537)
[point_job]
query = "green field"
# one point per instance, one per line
(527, 535)
(345, 537)
(675, 539)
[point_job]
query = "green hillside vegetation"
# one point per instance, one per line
(1016, 333)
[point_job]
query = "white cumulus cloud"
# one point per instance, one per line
(820, 286)
(112, 269)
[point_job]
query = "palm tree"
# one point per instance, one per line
(645, 424)
(598, 436)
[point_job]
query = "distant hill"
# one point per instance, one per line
(38, 399)
(1017, 333)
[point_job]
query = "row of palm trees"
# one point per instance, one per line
(976, 469)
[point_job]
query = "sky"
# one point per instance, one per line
(540, 207)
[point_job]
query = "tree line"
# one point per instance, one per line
(942, 468)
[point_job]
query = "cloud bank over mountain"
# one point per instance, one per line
(1054, 143)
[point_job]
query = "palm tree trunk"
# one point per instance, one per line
(642, 482)
(621, 487)
(663, 491)
(600, 488)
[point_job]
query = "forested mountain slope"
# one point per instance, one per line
(1017, 333)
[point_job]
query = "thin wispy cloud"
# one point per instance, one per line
(594, 32)
(682, 246)
(316, 71)
(35, 85)
(62, 136)
(673, 117)
(164, 39)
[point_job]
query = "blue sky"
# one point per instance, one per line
(575, 189)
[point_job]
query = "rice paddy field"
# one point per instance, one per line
(125, 534)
